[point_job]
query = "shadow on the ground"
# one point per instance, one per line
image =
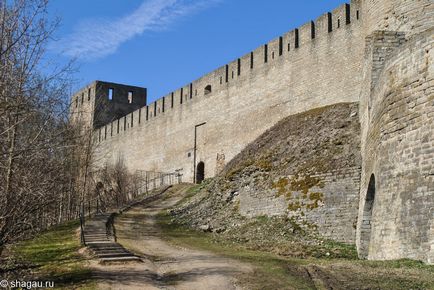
(128, 277)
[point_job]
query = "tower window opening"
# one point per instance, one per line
(110, 94)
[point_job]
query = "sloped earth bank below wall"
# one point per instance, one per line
(285, 168)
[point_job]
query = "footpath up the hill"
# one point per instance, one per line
(164, 265)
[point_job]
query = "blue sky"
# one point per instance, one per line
(165, 44)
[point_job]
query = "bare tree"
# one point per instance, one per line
(35, 140)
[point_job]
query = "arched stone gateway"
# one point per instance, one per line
(365, 230)
(200, 172)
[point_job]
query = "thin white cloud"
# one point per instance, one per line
(93, 39)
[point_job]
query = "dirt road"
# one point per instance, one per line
(165, 266)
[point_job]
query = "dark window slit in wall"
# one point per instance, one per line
(239, 67)
(330, 22)
(140, 115)
(289, 46)
(125, 123)
(147, 113)
(358, 14)
(232, 74)
(181, 96)
(312, 30)
(118, 126)
(99, 135)
(82, 98)
(297, 39)
(172, 101)
(155, 108)
(208, 90)
(163, 107)
(251, 60)
(132, 119)
(76, 102)
(195, 92)
(272, 55)
(266, 53)
(88, 95)
(280, 46)
(111, 94)
(227, 73)
(339, 23)
(105, 132)
(111, 129)
(191, 91)
(347, 13)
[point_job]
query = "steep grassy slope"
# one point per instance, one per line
(51, 256)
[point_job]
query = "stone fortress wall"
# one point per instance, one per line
(291, 74)
(369, 51)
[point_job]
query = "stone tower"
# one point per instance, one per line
(409, 16)
(102, 102)
(396, 208)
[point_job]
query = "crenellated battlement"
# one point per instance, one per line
(331, 28)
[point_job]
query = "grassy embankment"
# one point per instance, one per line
(52, 256)
(276, 272)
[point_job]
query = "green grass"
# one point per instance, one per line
(275, 272)
(271, 271)
(191, 191)
(54, 256)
